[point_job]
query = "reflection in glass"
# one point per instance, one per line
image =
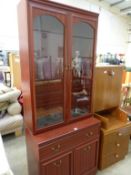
(82, 51)
(48, 58)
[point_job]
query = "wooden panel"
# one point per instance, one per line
(60, 166)
(107, 87)
(25, 62)
(85, 158)
(14, 62)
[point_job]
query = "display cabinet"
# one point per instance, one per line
(57, 50)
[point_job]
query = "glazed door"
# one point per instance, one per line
(58, 166)
(86, 159)
(48, 62)
(82, 66)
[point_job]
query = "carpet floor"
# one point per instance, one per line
(16, 153)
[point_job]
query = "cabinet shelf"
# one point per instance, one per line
(57, 33)
(82, 37)
(41, 82)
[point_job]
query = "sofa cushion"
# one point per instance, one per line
(9, 94)
(14, 108)
(9, 123)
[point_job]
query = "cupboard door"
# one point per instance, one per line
(107, 87)
(86, 158)
(58, 166)
(48, 61)
(82, 62)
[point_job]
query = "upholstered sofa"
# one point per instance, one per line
(11, 119)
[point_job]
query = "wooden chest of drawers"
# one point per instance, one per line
(114, 145)
(115, 127)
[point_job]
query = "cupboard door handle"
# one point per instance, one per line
(88, 148)
(70, 67)
(105, 71)
(117, 156)
(66, 67)
(56, 149)
(119, 134)
(118, 144)
(111, 73)
(58, 164)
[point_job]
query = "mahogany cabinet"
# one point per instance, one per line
(57, 51)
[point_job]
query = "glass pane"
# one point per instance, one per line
(82, 52)
(48, 57)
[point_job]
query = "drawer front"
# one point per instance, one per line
(117, 135)
(68, 142)
(120, 145)
(110, 159)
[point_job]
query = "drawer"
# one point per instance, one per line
(117, 135)
(111, 159)
(118, 145)
(68, 142)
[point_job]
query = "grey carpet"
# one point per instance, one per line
(16, 153)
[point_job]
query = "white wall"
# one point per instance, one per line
(112, 28)
(8, 25)
(128, 60)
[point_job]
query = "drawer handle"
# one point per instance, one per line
(118, 145)
(117, 156)
(119, 134)
(88, 148)
(111, 73)
(89, 134)
(56, 149)
(58, 164)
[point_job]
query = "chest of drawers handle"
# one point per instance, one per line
(56, 149)
(58, 164)
(117, 156)
(88, 148)
(118, 145)
(119, 134)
